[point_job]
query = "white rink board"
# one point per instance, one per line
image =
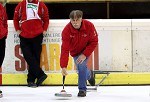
(119, 40)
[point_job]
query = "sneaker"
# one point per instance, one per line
(32, 84)
(82, 94)
(41, 79)
(92, 79)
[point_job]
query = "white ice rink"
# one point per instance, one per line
(103, 94)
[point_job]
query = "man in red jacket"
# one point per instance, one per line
(31, 20)
(3, 35)
(79, 37)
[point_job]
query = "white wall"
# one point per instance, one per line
(124, 45)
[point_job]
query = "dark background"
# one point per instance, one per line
(96, 10)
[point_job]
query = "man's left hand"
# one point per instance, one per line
(44, 32)
(81, 59)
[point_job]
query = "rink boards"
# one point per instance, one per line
(123, 50)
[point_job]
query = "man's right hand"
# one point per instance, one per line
(64, 72)
(18, 31)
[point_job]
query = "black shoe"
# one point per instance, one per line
(32, 84)
(82, 94)
(92, 79)
(1, 94)
(41, 79)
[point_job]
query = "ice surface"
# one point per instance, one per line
(103, 94)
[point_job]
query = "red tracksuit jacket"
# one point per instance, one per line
(3, 22)
(79, 41)
(34, 27)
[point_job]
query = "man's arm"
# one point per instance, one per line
(45, 16)
(93, 41)
(64, 56)
(17, 17)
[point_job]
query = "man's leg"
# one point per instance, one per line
(37, 49)
(26, 48)
(2, 50)
(83, 75)
(2, 55)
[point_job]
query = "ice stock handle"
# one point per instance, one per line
(63, 81)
